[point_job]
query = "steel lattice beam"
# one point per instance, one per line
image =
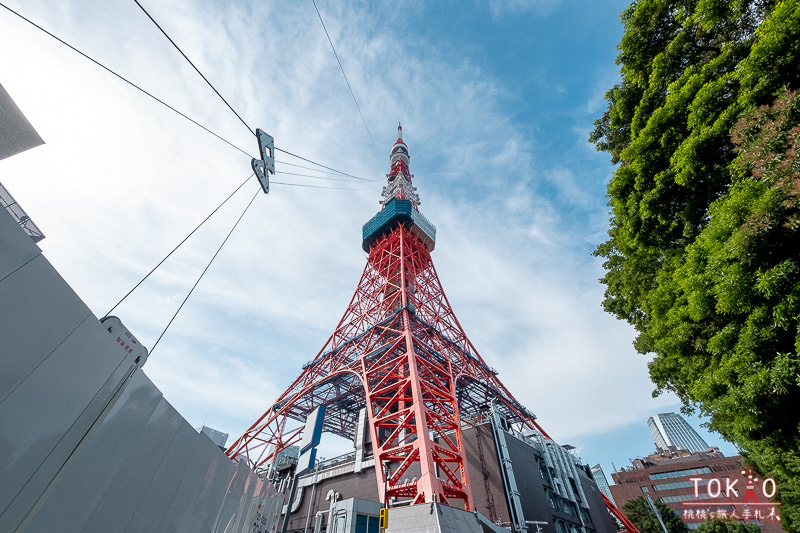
(400, 351)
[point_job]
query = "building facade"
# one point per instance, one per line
(700, 486)
(542, 482)
(670, 429)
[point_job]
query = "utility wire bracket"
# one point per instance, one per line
(266, 165)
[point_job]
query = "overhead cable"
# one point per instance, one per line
(319, 164)
(178, 246)
(328, 178)
(162, 102)
(168, 106)
(317, 170)
(205, 270)
(195, 67)
(345, 78)
(319, 186)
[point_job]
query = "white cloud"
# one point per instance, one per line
(121, 180)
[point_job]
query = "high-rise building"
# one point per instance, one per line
(602, 483)
(670, 429)
(217, 437)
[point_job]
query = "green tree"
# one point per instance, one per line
(727, 328)
(703, 255)
(639, 512)
(727, 526)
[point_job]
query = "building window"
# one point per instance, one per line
(683, 498)
(543, 471)
(674, 485)
(681, 473)
(575, 489)
(645, 489)
(570, 508)
(366, 524)
(552, 500)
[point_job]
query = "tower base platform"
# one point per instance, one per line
(438, 518)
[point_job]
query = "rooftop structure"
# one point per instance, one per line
(16, 133)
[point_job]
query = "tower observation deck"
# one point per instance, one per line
(400, 202)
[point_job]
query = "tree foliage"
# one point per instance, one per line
(703, 255)
(727, 526)
(639, 512)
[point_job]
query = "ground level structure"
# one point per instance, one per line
(554, 491)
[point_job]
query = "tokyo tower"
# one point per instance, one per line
(399, 352)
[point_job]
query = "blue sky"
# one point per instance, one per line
(496, 99)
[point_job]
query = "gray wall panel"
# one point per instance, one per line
(131, 482)
(45, 311)
(234, 498)
(253, 505)
(50, 411)
(224, 470)
(72, 498)
(190, 496)
(271, 509)
(16, 248)
(174, 460)
(87, 442)
(209, 492)
(23, 504)
(251, 484)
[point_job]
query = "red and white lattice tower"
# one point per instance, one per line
(400, 352)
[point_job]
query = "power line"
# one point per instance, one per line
(345, 79)
(170, 107)
(319, 186)
(314, 169)
(317, 177)
(205, 270)
(195, 67)
(320, 165)
(178, 246)
(107, 69)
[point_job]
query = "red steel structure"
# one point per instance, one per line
(400, 352)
